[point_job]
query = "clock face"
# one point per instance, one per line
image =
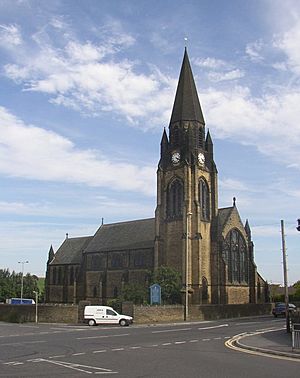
(175, 157)
(201, 158)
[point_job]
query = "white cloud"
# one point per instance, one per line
(211, 63)
(289, 44)
(270, 123)
(224, 76)
(254, 50)
(10, 36)
(87, 78)
(31, 152)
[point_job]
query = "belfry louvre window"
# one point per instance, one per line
(204, 199)
(174, 199)
(234, 253)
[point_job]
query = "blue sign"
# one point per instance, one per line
(155, 294)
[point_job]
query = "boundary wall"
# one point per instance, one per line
(60, 313)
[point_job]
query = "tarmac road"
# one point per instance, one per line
(171, 350)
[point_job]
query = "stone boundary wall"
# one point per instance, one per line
(47, 313)
(159, 314)
(59, 313)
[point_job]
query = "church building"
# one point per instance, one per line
(209, 246)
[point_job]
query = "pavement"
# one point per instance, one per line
(275, 342)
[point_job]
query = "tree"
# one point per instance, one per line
(10, 285)
(136, 293)
(297, 291)
(170, 281)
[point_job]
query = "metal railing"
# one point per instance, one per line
(296, 337)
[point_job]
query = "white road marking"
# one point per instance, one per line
(245, 323)
(78, 354)
(193, 341)
(154, 345)
(217, 338)
(180, 342)
(205, 339)
(101, 337)
(218, 326)
(227, 337)
(135, 347)
(99, 351)
(172, 330)
(79, 367)
(166, 344)
(59, 356)
(117, 349)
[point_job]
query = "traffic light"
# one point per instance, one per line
(298, 228)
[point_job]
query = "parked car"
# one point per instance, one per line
(279, 309)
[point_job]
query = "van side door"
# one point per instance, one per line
(111, 317)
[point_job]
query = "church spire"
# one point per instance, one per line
(186, 105)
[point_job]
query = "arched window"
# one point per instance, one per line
(175, 199)
(116, 292)
(200, 137)
(59, 276)
(176, 136)
(234, 253)
(95, 291)
(204, 200)
(204, 290)
(54, 276)
(71, 275)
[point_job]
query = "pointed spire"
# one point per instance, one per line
(164, 138)
(50, 254)
(248, 230)
(186, 105)
(208, 142)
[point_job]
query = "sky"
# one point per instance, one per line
(86, 88)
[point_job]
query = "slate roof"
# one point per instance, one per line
(124, 235)
(223, 215)
(70, 251)
(186, 104)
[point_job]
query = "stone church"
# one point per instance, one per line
(210, 246)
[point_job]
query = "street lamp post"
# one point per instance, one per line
(36, 306)
(22, 277)
(186, 307)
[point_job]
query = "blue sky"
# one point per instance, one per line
(87, 88)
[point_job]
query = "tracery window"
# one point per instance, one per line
(234, 253)
(201, 137)
(204, 290)
(204, 199)
(117, 260)
(175, 199)
(54, 276)
(71, 276)
(176, 135)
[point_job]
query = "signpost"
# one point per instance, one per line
(155, 294)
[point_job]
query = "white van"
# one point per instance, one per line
(105, 315)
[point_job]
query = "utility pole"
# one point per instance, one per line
(22, 278)
(286, 289)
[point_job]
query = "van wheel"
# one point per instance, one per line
(91, 322)
(123, 322)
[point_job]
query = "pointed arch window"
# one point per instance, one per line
(204, 290)
(234, 253)
(175, 199)
(200, 137)
(71, 276)
(204, 200)
(176, 136)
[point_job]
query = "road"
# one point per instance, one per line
(170, 350)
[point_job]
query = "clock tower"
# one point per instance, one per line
(187, 203)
